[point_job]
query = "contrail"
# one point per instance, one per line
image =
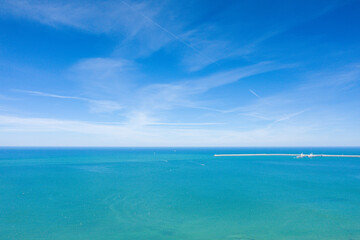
(42, 94)
(168, 32)
(254, 93)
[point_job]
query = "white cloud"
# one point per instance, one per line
(6, 98)
(22, 131)
(179, 93)
(132, 24)
(315, 101)
(120, 80)
(97, 106)
(48, 13)
(106, 16)
(144, 27)
(104, 75)
(114, 80)
(337, 79)
(104, 106)
(42, 94)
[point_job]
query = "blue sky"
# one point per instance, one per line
(179, 73)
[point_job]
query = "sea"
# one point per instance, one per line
(178, 194)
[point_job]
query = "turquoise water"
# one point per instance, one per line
(177, 193)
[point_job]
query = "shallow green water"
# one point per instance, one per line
(181, 193)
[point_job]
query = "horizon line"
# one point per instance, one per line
(64, 146)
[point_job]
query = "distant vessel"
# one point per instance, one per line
(301, 155)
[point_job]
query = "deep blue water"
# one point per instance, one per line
(177, 193)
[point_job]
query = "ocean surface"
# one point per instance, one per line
(177, 194)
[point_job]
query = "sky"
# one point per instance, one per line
(179, 73)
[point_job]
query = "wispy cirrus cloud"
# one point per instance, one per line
(337, 79)
(307, 99)
(141, 28)
(177, 93)
(97, 106)
(7, 98)
(216, 45)
(132, 24)
(119, 79)
(113, 79)
(134, 21)
(52, 14)
(108, 16)
(42, 94)
(285, 122)
(16, 131)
